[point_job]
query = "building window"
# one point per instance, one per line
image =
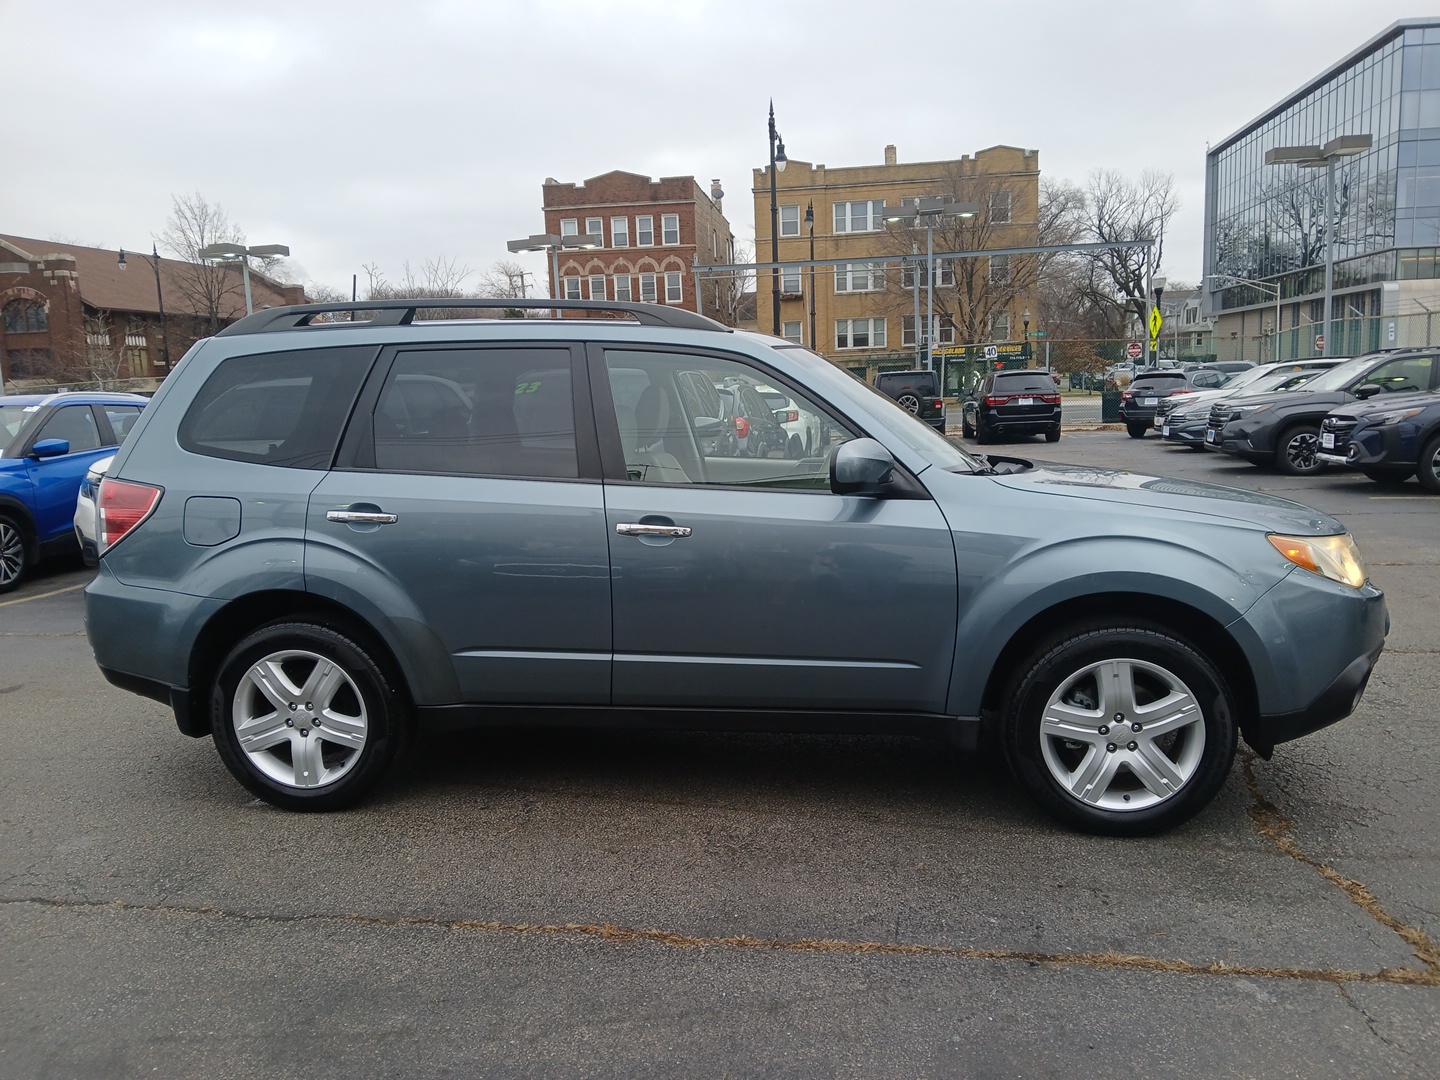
(860, 333)
(1000, 208)
(789, 221)
(619, 232)
(98, 339)
(569, 226)
(597, 286)
(859, 277)
(999, 269)
(645, 231)
(622, 287)
(854, 217)
(25, 317)
(647, 288)
(945, 329)
(572, 288)
(1000, 327)
(790, 331)
(674, 290)
(944, 275)
(790, 281)
(670, 229)
(595, 227)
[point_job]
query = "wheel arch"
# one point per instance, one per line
(1185, 621)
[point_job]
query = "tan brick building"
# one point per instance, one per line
(863, 310)
(652, 234)
(71, 316)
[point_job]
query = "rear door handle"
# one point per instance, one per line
(628, 529)
(361, 517)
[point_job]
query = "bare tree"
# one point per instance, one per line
(727, 289)
(101, 362)
(1118, 208)
(505, 280)
(211, 289)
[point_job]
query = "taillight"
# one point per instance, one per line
(1050, 399)
(997, 399)
(939, 404)
(791, 416)
(122, 506)
(742, 427)
(1126, 396)
(1177, 393)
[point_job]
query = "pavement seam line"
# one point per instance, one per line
(41, 596)
(1277, 828)
(620, 935)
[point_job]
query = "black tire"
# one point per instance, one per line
(1389, 477)
(1192, 755)
(1296, 450)
(966, 429)
(982, 433)
(1428, 472)
(794, 448)
(1137, 431)
(15, 553)
(368, 719)
(1053, 435)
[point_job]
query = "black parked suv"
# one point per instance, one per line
(1284, 429)
(1139, 402)
(1389, 439)
(1007, 403)
(917, 392)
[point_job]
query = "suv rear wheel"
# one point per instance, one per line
(1120, 728)
(1428, 472)
(1137, 431)
(304, 717)
(14, 553)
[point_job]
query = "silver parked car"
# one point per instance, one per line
(311, 578)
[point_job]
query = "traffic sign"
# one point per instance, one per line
(1319, 342)
(1134, 350)
(1156, 322)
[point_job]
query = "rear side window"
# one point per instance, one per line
(285, 408)
(478, 412)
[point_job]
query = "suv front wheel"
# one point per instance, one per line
(1296, 451)
(304, 717)
(1120, 728)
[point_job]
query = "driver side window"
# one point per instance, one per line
(1408, 375)
(691, 419)
(76, 425)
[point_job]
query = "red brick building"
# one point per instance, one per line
(72, 316)
(652, 234)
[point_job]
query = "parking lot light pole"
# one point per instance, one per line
(154, 260)
(930, 208)
(240, 253)
(1324, 157)
(552, 243)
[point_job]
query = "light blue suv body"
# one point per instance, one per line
(356, 528)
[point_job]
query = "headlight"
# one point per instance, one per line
(1238, 411)
(1335, 557)
(1396, 416)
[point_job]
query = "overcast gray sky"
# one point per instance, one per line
(366, 132)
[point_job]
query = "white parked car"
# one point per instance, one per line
(85, 516)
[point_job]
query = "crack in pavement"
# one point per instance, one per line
(1277, 828)
(621, 935)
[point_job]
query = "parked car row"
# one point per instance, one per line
(48, 445)
(1378, 413)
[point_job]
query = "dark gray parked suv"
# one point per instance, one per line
(324, 534)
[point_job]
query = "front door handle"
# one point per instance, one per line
(671, 531)
(361, 517)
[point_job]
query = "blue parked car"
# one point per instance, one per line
(47, 442)
(324, 535)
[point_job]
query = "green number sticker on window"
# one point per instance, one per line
(527, 388)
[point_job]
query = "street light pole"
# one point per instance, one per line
(931, 208)
(777, 161)
(810, 221)
(227, 252)
(154, 260)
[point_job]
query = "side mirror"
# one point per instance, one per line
(50, 448)
(861, 467)
(1367, 391)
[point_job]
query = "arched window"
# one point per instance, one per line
(25, 317)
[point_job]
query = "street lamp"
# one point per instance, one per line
(777, 161)
(1267, 285)
(154, 260)
(1324, 157)
(241, 253)
(810, 224)
(931, 208)
(552, 243)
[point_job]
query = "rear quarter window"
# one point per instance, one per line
(284, 408)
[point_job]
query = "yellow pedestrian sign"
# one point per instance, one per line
(1156, 322)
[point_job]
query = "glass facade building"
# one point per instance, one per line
(1267, 223)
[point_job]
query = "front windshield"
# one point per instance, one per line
(12, 419)
(1275, 380)
(1338, 376)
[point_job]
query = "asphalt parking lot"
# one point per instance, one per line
(667, 904)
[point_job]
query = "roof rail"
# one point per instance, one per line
(402, 313)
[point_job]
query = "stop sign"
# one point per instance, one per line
(1134, 351)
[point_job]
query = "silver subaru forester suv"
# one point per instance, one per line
(337, 525)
